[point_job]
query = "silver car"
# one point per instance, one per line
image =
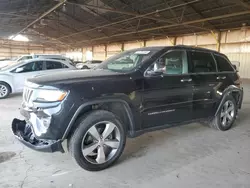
(12, 78)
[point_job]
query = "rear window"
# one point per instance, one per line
(53, 65)
(223, 64)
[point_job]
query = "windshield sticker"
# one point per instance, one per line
(142, 52)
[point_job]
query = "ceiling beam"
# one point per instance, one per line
(169, 26)
(129, 19)
(201, 15)
(40, 17)
(242, 3)
(19, 16)
(137, 14)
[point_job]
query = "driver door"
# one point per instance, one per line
(167, 95)
(26, 71)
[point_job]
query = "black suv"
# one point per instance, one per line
(131, 93)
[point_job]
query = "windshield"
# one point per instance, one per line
(126, 61)
(10, 65)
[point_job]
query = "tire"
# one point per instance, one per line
(4, 90)
(81, 135)
(216, 122)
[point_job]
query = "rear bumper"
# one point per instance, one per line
(24, 133)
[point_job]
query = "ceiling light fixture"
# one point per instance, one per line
(19, 38)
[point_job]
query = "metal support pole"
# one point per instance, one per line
(92, 49)
(174, 43)
(10, 50)
(106, 51)
(219, 42)
(217, 39)
(122, 47)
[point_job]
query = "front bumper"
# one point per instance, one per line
(24, 133)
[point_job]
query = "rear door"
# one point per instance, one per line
(204, 76)
(167, 94)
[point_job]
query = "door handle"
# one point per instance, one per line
(186, 80)
(221, 77)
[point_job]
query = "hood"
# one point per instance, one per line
(70, 76)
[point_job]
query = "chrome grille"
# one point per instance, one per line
(27, 92)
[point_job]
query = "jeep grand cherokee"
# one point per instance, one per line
(131, 93)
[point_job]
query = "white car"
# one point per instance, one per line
(33, 56)
(90, 64)
(13, 77)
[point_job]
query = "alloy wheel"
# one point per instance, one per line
(101, 142)
(3, 90)
(227, 113)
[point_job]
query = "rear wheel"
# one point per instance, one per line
(227, 114)
(98, 141)
(4, 90)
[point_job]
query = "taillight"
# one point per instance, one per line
(238, 82)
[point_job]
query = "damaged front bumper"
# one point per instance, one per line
(25, 134)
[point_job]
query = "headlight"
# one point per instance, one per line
(30, 84)
(50, 95)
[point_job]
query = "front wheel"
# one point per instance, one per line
(98, 141)
(227, 114)
(4, 90)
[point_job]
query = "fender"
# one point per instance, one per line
(228, 91)
(75, 116)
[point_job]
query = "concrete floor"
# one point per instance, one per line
(188, 156)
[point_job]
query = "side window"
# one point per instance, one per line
(53, 65)
(173, 62)
(202, 62)
(30, 67)
(96, 62)
(223, 64)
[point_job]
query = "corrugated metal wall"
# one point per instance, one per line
(244, 59)
(235, 44)
(10, 49)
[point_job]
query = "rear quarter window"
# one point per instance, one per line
(223, 64)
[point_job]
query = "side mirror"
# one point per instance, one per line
(20, 69)
(79, 65)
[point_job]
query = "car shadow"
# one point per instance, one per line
(139, 146)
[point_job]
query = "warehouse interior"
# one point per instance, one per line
(98, 29)
(104, 28)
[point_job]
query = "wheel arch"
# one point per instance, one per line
(235, 92)
(124, 113)
(11, 89)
